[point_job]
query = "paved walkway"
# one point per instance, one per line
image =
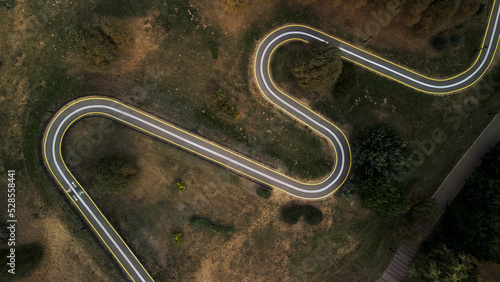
(396, 270)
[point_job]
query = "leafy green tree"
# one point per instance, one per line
(378, 151)
(425, 210)
(472, 222)
(178, 239)
(438, 263)
(317, 65)
(406, 233)
(115, 173)
(383, 198)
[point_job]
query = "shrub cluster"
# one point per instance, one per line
(264, 193)
(7, 3)
(178, 239)
(379, 151)
(219, 99)
(181, 185)
(291, 215)
(213, 227)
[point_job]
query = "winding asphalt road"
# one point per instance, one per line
(142, 121)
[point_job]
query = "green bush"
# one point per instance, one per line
(219, 99)
(181, 185)
(347, 190)
(7, 3)
(202, 222)
(264, 193)
(291, 215)
(178, 239)
(384, 198)
(438, 263)
(213, 227)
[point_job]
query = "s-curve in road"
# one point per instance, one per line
(158, 128)
(379, 65)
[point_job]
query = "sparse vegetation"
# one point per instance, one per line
(178, 239)
(312, 215)
(384, 198)
(264, 193)
(317, 65)
(98, 44)
(180, 185)
(91, 44)
(437, 16)
(213, 227)
(219, 99)
(26, 100)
